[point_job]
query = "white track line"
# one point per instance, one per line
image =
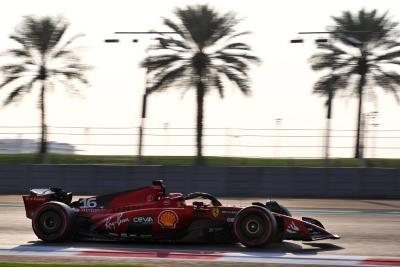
(196, 255)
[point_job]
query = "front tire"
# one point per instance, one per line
(255, 226)
(278, 208)
(53, 222)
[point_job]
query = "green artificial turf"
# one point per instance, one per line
(189, 160)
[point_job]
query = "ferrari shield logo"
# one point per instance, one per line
(215, 212)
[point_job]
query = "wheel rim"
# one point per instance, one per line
(50, 222)
(253, 227)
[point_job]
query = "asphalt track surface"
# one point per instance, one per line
(369, 230)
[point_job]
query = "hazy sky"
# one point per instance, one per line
(281, 85)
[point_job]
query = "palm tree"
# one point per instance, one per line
(370, 59)
(40, 60)
(202, 55)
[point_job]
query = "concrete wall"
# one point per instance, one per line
(221, 181)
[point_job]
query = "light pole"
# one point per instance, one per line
(277, 137)
(371, 121)
(331, 82)
(166, 138)
(228, 142)
(143, 120)
(146, 89)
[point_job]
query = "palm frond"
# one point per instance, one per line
(169, 43)
(175, 27)
(250, 58)
(183, 59)
(19, 53)
(389, 81)
(70, 85)
(17, 92)
(367, 26)
(393, 61)
(8, 80)
(234, 57)
(231, 59)
(390, 44)
(330, 82)
(323, 61)
(335, 50)
(238, 80)
(155, 62)
(235, 35)
(71, 74)
(49, 32)
(167, 79)
(77, 66)
(224, 27)
(63, 53)
(22, 40)
(236, 46)
(388, 56)
(70, 41)
(216, 81)
(13, 69)
(13, 95)
(204, 25)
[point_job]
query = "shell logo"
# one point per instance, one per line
(168, 219)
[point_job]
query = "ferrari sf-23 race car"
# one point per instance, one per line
(148, 214)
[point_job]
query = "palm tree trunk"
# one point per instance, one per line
(199, 122)
(361, 83)
(43, 137)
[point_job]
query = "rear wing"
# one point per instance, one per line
(33, 202)
(38, 197)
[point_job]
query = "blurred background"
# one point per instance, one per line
(281, 118)
(278, 142)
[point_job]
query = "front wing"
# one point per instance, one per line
(307, 229)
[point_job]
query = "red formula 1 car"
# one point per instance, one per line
(149, 214)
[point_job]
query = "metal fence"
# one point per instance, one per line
(227, 142)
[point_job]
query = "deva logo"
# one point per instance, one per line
(143, 220)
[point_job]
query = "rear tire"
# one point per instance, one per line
(255, 226)
(54, 222)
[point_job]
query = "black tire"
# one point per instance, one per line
(278, 208)
(54, 222)
(255, 226)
